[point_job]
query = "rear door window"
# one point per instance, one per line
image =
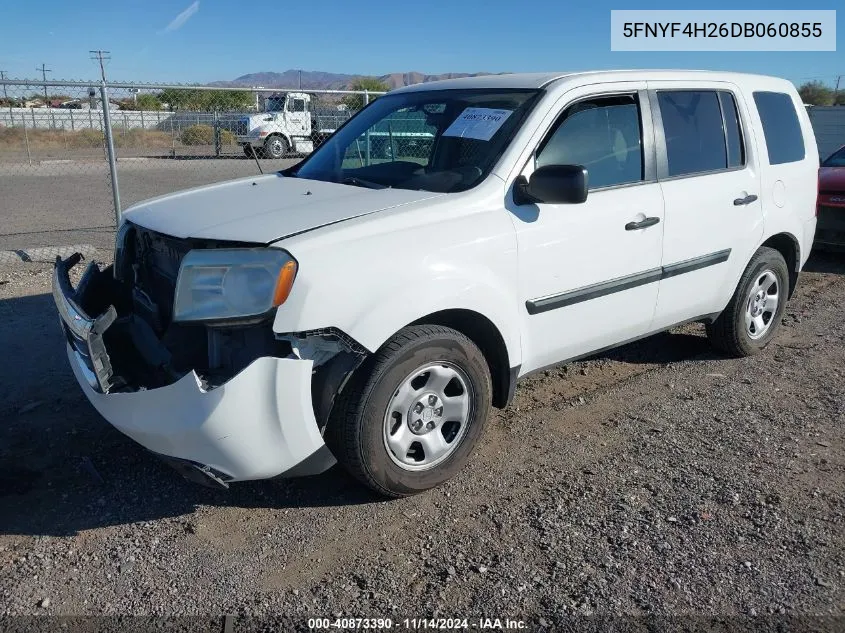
(784, 140)
(702, 131)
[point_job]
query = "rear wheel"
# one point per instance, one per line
(753, 316)
(276, 147)
(412, 414)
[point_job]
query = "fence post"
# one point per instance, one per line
(26, 140)
(367, 147)
(216, 135)
(115, 189)
(172, 137)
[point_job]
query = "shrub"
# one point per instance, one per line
(197, 135)
(356, 102)
(204, 135)
(227, 138)
(85, 138)
(137, 137)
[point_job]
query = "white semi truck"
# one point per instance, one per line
(286, 125)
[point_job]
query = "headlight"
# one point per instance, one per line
(217, 284)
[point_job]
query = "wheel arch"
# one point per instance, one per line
(788, 246)
(484, 333)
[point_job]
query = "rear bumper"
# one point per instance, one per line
(830, 228)
(258, 424)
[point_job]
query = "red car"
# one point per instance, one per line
(830, 230)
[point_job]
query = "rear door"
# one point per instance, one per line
(707, 166)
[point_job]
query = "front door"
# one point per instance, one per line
(589, 272)
(296, 116)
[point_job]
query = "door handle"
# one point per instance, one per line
(633, 226)
(746, 200)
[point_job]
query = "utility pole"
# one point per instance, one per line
(836, 89)
(44, 70)
(101, 56)
(300, 80)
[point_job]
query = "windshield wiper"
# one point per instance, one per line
(358, 182)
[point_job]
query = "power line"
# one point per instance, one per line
(44, 70)
(102, 57)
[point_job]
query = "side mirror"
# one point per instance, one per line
(553, 184)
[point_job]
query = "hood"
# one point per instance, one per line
(263, 209)
(832, 179)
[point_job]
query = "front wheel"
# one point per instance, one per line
(413, 413)
(275, 147)
(753, 316)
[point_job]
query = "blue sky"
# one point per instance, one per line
(206, 40)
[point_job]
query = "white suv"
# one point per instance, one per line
(370, 307)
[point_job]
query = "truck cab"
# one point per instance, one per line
(283, 126)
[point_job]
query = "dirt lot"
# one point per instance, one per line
(656, 480)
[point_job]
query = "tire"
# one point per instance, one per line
(276, 146)
(747, 324)
(365, 421)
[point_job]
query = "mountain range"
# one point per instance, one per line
(319, 80)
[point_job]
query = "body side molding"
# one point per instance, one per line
(553, 302)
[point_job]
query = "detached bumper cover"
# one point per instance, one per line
(257, 425)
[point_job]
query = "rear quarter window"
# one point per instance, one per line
(784, 139)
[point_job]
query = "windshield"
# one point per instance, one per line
(442, 141)
(837, 159)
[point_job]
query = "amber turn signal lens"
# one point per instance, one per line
(284, 283)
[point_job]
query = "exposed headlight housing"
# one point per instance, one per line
(232, 284)
(120, 240)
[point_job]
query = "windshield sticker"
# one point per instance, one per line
(478, 123)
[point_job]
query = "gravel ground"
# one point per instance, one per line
(656, 480)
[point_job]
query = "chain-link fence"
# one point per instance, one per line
(73, 154)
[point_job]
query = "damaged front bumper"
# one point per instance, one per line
(258, 424)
